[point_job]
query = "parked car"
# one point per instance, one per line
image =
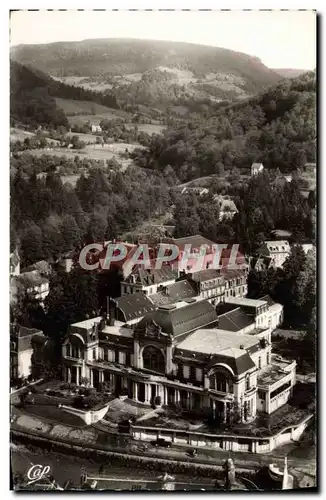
(161, 442)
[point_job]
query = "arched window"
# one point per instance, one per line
(153, 359)
(68, 349)
(221, 381)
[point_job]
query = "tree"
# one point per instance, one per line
(71, 233)
(32, 244)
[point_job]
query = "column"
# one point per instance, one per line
(77, 375)
(214, 408)
(147, 393)
(69, 374)
(101, 376)
(165, 392)
(135, 391)
(224, 412)
(176, 396)
(91, 377)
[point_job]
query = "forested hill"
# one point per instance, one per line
(150, 70)
(277, 127)
(32, 95)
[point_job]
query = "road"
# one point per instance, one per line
(65, 467)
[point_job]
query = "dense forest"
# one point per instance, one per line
(278, 128)
(49, 218)
(32, 96)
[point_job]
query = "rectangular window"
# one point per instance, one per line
(199, 374)
(68, 349)
(94, 353)
(105, 354)
(122, 358)
(259, 363)
(116, 356)
(111, 355)
(192, 373)
(128, 359)
(280, 389)
(186, 371)
(268, 358)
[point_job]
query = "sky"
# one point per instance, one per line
(281, 39)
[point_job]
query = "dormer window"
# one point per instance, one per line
(247, 383)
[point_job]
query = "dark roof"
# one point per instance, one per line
(267, 299)
(173, 293)
(195, 241)
(235, 320)
(133, 306)
(224, 307)
(180, 320)
(147, 277)
(206, 275)
(26, 336)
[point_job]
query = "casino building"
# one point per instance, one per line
(188, 353)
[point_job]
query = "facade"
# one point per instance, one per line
(26, 346)
(227, 207)
(278, 251)
(32, 283)
(256, 168)
(184, 354)
(96, 128)
(14, 263)
(148, 281)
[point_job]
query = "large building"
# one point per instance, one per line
(277, 251)
(185, 353)
(26, 347)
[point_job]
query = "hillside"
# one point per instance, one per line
(277, 127)
(290, 72)
(150, 71)
(33, 93)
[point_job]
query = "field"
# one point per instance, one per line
(84, 137)
(79, 112)
(17, 134)
(93, 153)
(148, 128)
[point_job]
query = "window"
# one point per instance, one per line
(259, 363)
(247, 383)
(68, 349)
(268, 358)
(122, 358)
(94, 353)
(106, 354)
(116, 356)
(280, 389)
(199, 374)
(192, 373)
(153, 359)
(128, 359)
(186, 371)
(261, 395)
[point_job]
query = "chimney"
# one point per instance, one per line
(112, 313)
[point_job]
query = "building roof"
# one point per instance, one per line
(31, 279)
(257, 165)
(222, 346)
(134, 306)
(180, 320)
(148, 277)
(244, 301)
(206, 275)
(306, 247)
(173, 293)
(25, 337)
(195, 241)
(268, 299)
(216, 341)
(235, 320)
